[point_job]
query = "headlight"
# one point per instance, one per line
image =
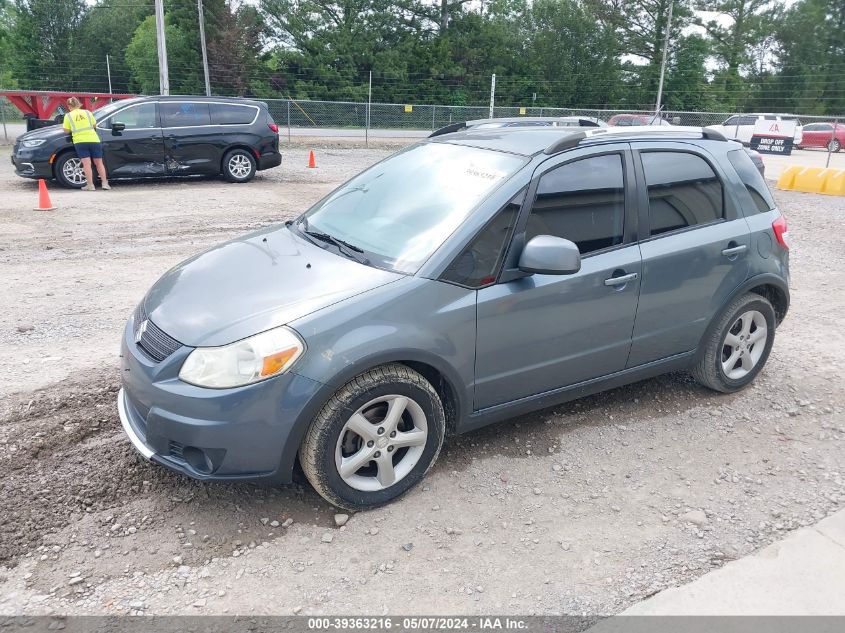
(253, 359)
(34, 142)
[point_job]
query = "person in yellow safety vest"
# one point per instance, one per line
(80, 123)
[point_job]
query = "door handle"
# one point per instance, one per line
(734, 250)
(621, 280)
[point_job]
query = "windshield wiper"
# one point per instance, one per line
(345, 248)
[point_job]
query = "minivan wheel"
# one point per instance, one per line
(239, 166)
(374, 439)
(68, 171)
(738, 345)
(834, 145)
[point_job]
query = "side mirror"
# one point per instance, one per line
(549, 255)
(117, 128)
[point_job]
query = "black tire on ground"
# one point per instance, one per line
(834, 145)
(715, 351)
(317, 452)
(239, 165)
(61, 167)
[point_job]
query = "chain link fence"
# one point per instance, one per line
(11, 120)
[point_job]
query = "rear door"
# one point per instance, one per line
(694, 246)
(538, 333)
(137, 150)
(192, 145)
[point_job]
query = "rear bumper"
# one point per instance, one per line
(249, 432)
(267, 161)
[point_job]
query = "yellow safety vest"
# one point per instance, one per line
(80, 123)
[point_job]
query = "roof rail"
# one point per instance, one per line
(454, 127)
(573, 140)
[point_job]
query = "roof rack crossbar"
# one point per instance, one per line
(454, 127)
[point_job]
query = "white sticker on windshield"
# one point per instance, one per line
(485, 172)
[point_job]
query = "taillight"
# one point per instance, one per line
(274, 127)
(781, 231)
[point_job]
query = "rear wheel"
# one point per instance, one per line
(834, 145)
(374, 439)
(239, 166)
(738, 345)
(68, 171)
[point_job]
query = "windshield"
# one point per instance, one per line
(402, 209)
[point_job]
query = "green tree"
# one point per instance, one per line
(142, 59)
(44, 42)
(6, 28)
(686, 85)
(235, 43)
(107, 29)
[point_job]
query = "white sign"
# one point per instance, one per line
(774, 129)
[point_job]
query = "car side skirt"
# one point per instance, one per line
(555, 397)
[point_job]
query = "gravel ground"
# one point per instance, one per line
(584, 508)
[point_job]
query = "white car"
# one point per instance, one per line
(740, 127)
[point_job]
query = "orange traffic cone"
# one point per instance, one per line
(311, 162)
(44, 202)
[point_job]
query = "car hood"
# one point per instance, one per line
(252, 284)
(47, 133)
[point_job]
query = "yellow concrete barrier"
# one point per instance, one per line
(828, 180)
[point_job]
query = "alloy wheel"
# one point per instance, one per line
(381, 443)
(72, 171)
(744, 344)
(239, 166)
(833, 145)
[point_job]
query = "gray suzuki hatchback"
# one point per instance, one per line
(474, 276)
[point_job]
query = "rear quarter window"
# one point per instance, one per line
(753, 181)
(231, 114)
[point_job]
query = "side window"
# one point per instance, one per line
(582, 201)
(813, 127)
(748, 120)
(683, 191)
(184, 114)
(225, 114)
(137, 117)
(479, 262)
(734, 120)
(753, 180)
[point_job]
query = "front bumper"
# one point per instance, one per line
(29, 167)
(249, 432)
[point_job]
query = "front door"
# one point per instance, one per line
(695, 250)
(191, 143)
(137, 150)
(542, 332)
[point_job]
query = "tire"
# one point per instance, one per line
(239, 166)
(361, 405)
(834, 145)
(68, 171)
(728, 364)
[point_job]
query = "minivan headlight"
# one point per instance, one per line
(33, 143)
(251, 360)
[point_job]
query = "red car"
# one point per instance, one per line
(824, 135)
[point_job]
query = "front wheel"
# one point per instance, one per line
(834, 145)
(374, 439)
(68, 171)
(738, 345)
(239, 166)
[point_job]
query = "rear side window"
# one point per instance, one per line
(230, 114)
(478, 264)
(753, 180)
(683, 191)
(184, 114)
(582, 201)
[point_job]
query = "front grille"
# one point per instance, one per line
(152, 340)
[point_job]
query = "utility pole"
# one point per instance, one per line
(663, 63)
(163, 80)
(492, 93)
(204, 51)
(108, 72)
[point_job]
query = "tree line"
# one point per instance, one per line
(724, 55)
